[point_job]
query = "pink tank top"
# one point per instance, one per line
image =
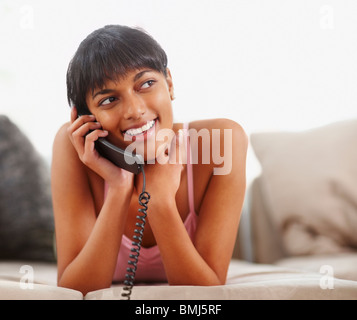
(150, 267)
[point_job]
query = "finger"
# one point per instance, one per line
(183, 147)
(76, 131)
(162, 157)
(86, 128)
(80, 121)
(91, 138)
(84, 119)
(177, 152)
(80, 136)
(90, 156)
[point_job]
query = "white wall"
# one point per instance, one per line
(269, 65)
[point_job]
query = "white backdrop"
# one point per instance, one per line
(269, 65)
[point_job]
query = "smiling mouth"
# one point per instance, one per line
(138, 131)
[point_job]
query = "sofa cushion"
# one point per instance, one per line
(340, 265)
(309, 181)
(11, 290)
(39, 272)
(32, 280)
(26, 218)
(245, 281)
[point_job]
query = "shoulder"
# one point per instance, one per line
(219, 148)
(65, 160)
(221, 124)
(224, 141)
(62, 145)
(224, 129)
(64, 155)
(214, 123)
(61, 137)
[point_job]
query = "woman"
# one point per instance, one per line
(118, 81)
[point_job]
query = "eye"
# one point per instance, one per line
(107, 101)
(147, 84)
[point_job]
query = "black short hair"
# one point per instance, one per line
(108, 54)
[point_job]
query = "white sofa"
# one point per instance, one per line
(294, 279)
(296, 240)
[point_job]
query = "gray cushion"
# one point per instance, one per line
(26, 218)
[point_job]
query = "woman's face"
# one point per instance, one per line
(134, 108)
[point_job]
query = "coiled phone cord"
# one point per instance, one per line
(144, 198)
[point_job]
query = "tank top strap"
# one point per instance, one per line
(189, 168)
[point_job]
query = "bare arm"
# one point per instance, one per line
(205, 260)
(87, 245)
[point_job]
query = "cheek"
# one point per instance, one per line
(108, 122)
(163, 106)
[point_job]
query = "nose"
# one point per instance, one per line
(134, 107)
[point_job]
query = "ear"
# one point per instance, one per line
(170, 83)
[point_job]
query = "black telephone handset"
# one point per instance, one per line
(134, 164)
(119, 157)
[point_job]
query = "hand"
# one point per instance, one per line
(163, 178)
(84, 143)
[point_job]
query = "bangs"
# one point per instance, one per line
(108, 54)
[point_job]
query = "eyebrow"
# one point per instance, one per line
(106, 91)
(140, 74)
(103, 91)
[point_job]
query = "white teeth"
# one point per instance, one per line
(145, 127)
